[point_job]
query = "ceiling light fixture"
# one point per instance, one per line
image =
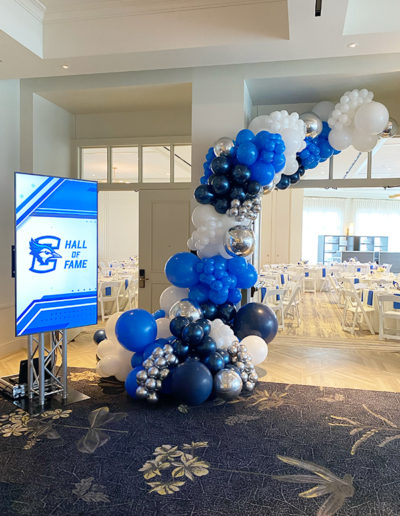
(65, 66)
(353, 44)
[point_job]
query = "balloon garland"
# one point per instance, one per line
(199, 343)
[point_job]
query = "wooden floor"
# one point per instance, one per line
(318, 352)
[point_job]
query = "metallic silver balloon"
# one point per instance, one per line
(224, 146)
(240, 365)
(153, 397)
(168, 349)
(235, 203)
(141, 376)
(142, 393)
(244, 376)
(239, 241)
(164, 373)
(157, 352)
(160, 362)
(313, 124)
(248, 204)
(148, 363)
(153, 372)
(390, 130)
(269, 188)
(159, 384)
(249, 386)
(227, 384)
(186, 308)
(253, 377)
(170, 358)
(233, 350)
(150, 384)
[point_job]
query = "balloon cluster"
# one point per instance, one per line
(243, 365)
(357, 120)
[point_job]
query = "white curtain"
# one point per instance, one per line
(375, 217)
(321, 216)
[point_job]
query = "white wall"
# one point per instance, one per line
(118, 225)
(9, 162)
(52, 133)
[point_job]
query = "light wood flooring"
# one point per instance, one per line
(318, 352)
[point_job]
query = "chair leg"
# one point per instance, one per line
(366, 317)
(354, 322)
(102, 310)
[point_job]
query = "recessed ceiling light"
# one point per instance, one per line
(65, 66)
(353, 44)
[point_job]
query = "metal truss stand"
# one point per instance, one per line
(46, 375)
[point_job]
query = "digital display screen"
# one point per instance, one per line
(56, 253)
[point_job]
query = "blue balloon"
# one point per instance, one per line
(225, 355)
(214, 362)
(237, 265)
(218, 297)
(209, 310)
(248, 278)
(204, 194)
(181, 349)
(220, 165)
(237, 192)
(262, 172)
(137, 359)
(255, 319)
(199, 293)
(204, 323)
(226, 312)
(220, 185)
(193, 333)
(192, 382)
(221, 206)
(247, 153)
(253, 188)
(210, 154)
(131, 383)
(283, 183)
(243, 136)
(279, 162)
(159, 314)
(99, 335)
(181, 271)
(234, 295)
(241, 174)
(136, 329)
(177, 325)
(206, 347)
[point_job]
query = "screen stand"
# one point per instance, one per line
(44, 379)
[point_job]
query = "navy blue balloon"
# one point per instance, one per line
(192, 382)
(193, 334)
(204, 323)
(181, 271)
(204, 194)
(137, 359)
(255, 319)
(254, 187)
(131, 383)
(214, 362)
(241, 174)
(220, 184)
(237, 192)
(220, 165)
(221, 206)
(294, 178)
(225, 355)
(206, 347)
(209, 310)
(181, 349)
(283, 183)
(177, 325)
(99, 335)
(301, 171)
(226, 312)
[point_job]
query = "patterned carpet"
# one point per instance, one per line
(285, 450)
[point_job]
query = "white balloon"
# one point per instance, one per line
(258, 124)
(340, 139)
(124, 368)
(110, 326)
(107, 347)
(170, 296)
(163, 331)
(108, 366)
(371, 118)
(256, 348)
(364, 142)
(222, 334)
(323, 109)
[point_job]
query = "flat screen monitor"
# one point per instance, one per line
(55, 253)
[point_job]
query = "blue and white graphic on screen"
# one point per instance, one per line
(56, 253)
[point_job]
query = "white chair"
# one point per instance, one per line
(353, 305)
(310, 283)
(274, 298)
(109, 292)
(291, 304)
(388, 312)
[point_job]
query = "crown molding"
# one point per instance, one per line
(73, 10)
(34, 8)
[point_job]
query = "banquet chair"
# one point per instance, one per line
(336, 288)
(354, 305)
(109, 292)
(389, 309)
(274, 299)
(292, 303)
(310, 282)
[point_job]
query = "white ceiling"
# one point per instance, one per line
(97, 36)
(114, 100)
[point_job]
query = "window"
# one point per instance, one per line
(137, 163)
(94, 164)
(124, 164)
(386, 158)
(350, 163)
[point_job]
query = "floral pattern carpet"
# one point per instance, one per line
(285, 450)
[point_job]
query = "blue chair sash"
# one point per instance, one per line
(108, 291)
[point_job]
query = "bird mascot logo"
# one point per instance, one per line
(44, 254)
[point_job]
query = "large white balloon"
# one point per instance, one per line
(163, 331)
(110, 326)
(340, 139)
(107, 347)
(323, 109)
(371, 118)
(170, 296)
(108, 366)
(256, 348)
(364, 142)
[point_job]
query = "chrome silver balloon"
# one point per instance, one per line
(141, 376)
(160, 362)
(248, 204)
(227, 384)
(239, 241)
(269, 188)
(164, 373)
(153, 397)
(142, 393)
(148, 363)
(242, 348)
(252, 216)
(240, 365)
(313, 124)
(168, 349)
(249, 386)
(233, 212)
(244, 376)
(224, 146)
(235, 203)
(186, 308)
(253, 377)
(153, 372)
(170, 358)
(240, 218)
(243, 210)
(151, 384)
(158, 385)
(233, 349)
(157, 352)
(391, 129)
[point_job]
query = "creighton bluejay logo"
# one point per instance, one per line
(44, 254)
